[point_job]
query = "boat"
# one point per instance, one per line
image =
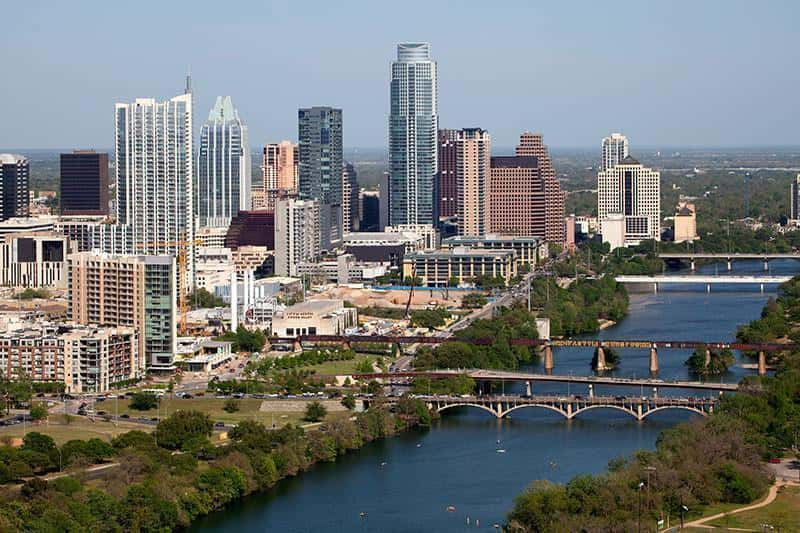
(451, 508)
(501, 450)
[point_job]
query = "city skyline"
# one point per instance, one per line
(694, 95)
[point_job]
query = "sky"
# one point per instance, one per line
(671, 73)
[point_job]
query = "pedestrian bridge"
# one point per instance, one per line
(571, 406)
(708, 281)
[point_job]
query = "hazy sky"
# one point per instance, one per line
(665, 73)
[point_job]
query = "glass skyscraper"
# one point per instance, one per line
(223, 163)
(413, 126)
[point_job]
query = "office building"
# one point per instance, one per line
(437, 268)
(532, 145)
(135, 291)
(685, 223)
(349, 198)
(384, 246)
(154, 173)
(14, 186)
(296, 234)
(314, 317)
(794, 200)
(369, 210)
(251, 228)
(428, 232)
(84, 183)
(343, 270)
(87, 359)
(633, 191)
(413, 129)
(80, 229)
(518, 197)
(528, 250)
(612, 230)
(320, 168)
(223, 166)
(279, 173)
(446, 175)
(615, 149)
(472, 181)
(34, 260)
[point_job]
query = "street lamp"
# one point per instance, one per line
(639, 507)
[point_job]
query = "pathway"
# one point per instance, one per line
(773, 493)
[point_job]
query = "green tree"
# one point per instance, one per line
(473, 300)
(143, 401)
(181, 427)
(38, 411)
(315, 412)
(202, 299)
(349, 401)
(231, 405)
(429, 318)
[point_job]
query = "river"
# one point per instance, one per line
(455, 463)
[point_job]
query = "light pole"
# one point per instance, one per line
(639, 508)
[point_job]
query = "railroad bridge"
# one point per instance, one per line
(571, 406)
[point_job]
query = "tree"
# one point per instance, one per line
(429, 318)
(231, 405)
(349, 401)
(473, 300)
(143, 401)
(181, 427)
(38, 411)
(315, 412)
(202, 299)
(364, 366)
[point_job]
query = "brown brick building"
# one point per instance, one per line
(446, 175)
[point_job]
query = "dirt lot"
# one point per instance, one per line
(371, 298)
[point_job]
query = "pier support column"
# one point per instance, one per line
(548, 359)
(762, 288)
(655, 288)
(708, 358)
(655, 392)
(708, 288)
(499, 410)
(692, 265)
(639, 412)
(653, 360)
(601, 359)
(591, 390)
(730, 264)
(569, 411)
(527, 388)
(766, 265)
(762, 363)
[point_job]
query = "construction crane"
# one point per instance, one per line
(181, 245)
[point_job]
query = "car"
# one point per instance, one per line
(124, 415)
(154, 419)
(219, 424)
(101, 413)
(775, 461)
(619, 398)
(100, 399)
(187, 396)
(238, 395)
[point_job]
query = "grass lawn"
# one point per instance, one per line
(338, 368)
(783, 514)
(78, 428)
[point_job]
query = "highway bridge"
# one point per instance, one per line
(656, 281)
(571, 406)
(728, 257)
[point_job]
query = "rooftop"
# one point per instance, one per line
(629, 161)
(316, 306)
(461, 251)
(12, 159)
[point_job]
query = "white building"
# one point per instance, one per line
(633, 191)
(297, 237)
(615, 149)
(213, 267)
(612, 228)
(428, 233)
(34, 260)
(314, 317)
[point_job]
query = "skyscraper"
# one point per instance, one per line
(320, 168)
(223, 166)
(634, 192)
(446, 175)
(84, 183)
(14, 195)
(296, 234)
(532, 144)
(794, 199)
(517, 199)
(615, 149)
(472, 181)
(154, 175)
(349, 198)
(413, 127)
(279, 173)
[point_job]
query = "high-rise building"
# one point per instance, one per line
(446, 175)
(633, 191)
(472, 181)
(413, 127)
(517, 197)
(349, 198)
(320, 168)
(84, 183)
(14, 186)
(154, 177)
(296, 234)
(223, 166)
(794, 200)
(615, 149)
(279, 172)
(532, 144)
(127, 290)
(685, 222)
(369, 210)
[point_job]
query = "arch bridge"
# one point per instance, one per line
(571, 406)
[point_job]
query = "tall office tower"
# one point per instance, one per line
(296, 234)
(370, 210)
(14, 195)
(127, 290)
(472, 181)
(384, 201)
(320, 168)
(154, 177)
(532, 144)
(349, 198)
(446, 175)
(223, 166)
(279, 172)
(84, 183)
(794, 200)
(517, 197)
(634, 192)
(615, 149)
(413, 127)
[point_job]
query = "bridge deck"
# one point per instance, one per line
(689, 255)
(705, 280)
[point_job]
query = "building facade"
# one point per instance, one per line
(320, 168)
(437, 268)
(614, 150)
(349, 198)
(14, 186)
(473, 154)
(223, 166)
(794, 199)
(413, 129)
(633, 191)
(296, 234)
(154, 174)
(279, 173)
(446, 175)
(131, 291)
(685, 223)
(528, 250)
(34, 260)
(518, 197)
(83, 188)
(314, 317)
(532, 145)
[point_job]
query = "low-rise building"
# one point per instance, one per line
(438, 268)
(428, 232)
(199, 354)
(34, 259)
(529, 250)
(686, 222)
(343, 270)
(314, 317)
(27, 224)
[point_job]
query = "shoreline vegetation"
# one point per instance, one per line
(697, 464)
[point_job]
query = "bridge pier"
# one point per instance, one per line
(548, 359)
(708, 288)
(528, 388)
(762, 363)
(601, 360)
(707, 358)
(653, 360)
(591, 390)
(692, 265)
(639, 412)
(655, 288)
(762, 288)
(730, 264)
(766, 265)
(655, 392)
